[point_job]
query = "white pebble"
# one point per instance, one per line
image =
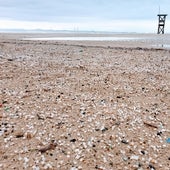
(35, 167)
(73, 168)
(134, 157)
(47, 166)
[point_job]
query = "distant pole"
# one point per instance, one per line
(161, 23)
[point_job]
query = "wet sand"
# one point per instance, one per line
(83, 105)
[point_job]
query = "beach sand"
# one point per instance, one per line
(83, 105)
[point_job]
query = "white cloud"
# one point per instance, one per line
(59, 10)
(97, 15)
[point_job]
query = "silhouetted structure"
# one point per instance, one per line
(161, 23)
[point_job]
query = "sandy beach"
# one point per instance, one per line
(84, 105)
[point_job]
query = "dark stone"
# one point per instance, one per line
(19, 135)
(5, 124)
(139, 164)
(3, 102)
(143, 152)
(96, 167)
(5, 156)
(159, 133)
(103, 101)
(72, 140)
(10, 59)
(83, 113)
(152, 167)
(143, 88)
(104, 129)
(111, 163)
(58, 97)
(124, 141)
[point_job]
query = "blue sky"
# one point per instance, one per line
(92, 15)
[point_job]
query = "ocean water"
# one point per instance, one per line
(148, 40)
(86, 38)
(162, 45)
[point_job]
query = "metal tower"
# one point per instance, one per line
(161, 23)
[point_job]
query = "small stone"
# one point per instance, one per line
(96, 167)
(58, 97)
(124, 141)
(103, 101)
(111, 163)
(151, 167)
(72, 140)
(51, 146)
(143, 152)
(5, 124)
(104, 129)
(10, 59)
(73, 168)
(19, 134)
(83, 113)
(159, 133)
(36, 168)
(143, 88)
(4, 101)
(29, 135)
(134, 157)
(139, 165)
(6, 108)
(48, 166)
(125, 158)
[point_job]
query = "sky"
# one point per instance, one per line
(84, 15)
